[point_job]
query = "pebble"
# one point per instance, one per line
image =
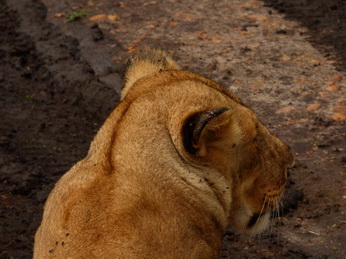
(332, 88)
(314, 107)
(340, 109)
(97, 17)
(324, 94)
(286, 110)
(337, 78)
(59, 15)
(285, 58)
(338, 116)
(113, 17)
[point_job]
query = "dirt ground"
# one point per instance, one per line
(285, 58)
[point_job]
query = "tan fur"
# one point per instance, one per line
(140, 193)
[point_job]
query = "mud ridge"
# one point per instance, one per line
(44, 86)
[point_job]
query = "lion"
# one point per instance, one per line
(176, 161)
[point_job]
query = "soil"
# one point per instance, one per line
(59, 81)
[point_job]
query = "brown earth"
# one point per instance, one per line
(285, 59)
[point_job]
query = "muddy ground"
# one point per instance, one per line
(285, 59)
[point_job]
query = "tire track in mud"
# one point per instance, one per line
(45, 86)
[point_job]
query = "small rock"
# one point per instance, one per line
(338, 116)
(76, 7)
(113, 17)
(216, 41)
(59, 15)
(324, 94)
(285, 58)
(286, 110)
(313, 61)
(314, 107)
(173, 24)
(337, 78)
(332, 88)
(97, 17)
(340, 109)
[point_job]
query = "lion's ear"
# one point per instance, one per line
(144, 63)
(201, 128)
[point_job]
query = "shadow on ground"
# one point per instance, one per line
(326, 21)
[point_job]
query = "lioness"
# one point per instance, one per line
(176, 161)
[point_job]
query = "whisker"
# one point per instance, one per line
(277, 208)
(263, 205)
(272, 219)
(275, 214)
(260, 214)
(233, 88)
(255, 105)
(281, 208)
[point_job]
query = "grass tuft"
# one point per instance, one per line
(76, 15)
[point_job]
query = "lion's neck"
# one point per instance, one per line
(144, 156)
(167, 177)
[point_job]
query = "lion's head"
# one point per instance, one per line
(219, 133)
(232, 139)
